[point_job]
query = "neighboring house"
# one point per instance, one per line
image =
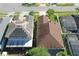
(19, 33)
(68, 24)
(48, 34)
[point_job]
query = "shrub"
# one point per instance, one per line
(50, 12)
(62, 53)
(37, 52)
(35, 14)
(51, 15)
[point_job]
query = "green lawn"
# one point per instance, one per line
(66, 13)
(47, 4)
(64, 4)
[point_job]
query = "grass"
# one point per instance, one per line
(47, 4)
(2, 14)
(52, 14)
(34, 13)
(64, 4)
(66, 13)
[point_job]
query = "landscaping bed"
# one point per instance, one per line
(2, 14)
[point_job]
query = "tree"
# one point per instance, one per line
(50, 12)
(35, 14)
(51, 15)
(37, 52)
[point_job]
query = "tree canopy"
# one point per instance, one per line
(50, 12)
(51, 15)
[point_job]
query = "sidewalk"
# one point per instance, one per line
(42, 13)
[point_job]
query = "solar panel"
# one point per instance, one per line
(18, 32)
(17, 41)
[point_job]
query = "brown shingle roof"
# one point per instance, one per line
(48, 34)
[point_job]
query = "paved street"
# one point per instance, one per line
(9, 7)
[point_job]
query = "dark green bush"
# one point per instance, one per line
(51, 15)
(62, 53)
(37, 52)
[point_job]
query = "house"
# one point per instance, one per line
(48, 34)
(19, 33)
(70, 25)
